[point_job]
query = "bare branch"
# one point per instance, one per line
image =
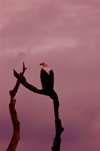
(58, 126)
(23, 81)
(16, 125)
(24, 68)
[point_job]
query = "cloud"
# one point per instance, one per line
(36, 26)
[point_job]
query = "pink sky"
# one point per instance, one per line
(66, 35)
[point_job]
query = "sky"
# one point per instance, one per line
(66, 35)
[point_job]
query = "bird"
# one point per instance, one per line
(47, 78)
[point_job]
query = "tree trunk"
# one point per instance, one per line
(57, 140)
(16, 125)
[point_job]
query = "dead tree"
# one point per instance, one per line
(58, 126)
(16, 125)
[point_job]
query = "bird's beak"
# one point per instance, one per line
(40, 63)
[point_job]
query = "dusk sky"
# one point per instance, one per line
(66, 35)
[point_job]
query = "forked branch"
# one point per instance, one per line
(58, 126)
(16, 125)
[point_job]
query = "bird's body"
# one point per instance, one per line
(47, 78)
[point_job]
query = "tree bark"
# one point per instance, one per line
(58, 126)
(57, 140)
(16, 124)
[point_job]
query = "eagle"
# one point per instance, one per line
(47, 78)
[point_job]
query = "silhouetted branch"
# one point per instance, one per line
(58, 127)
(23, 81)
(57, 140)
(16, 125)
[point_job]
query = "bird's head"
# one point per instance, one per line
(44, 64)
